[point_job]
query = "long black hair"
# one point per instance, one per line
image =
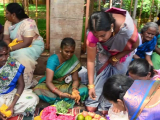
(17, 9)
(140, 67)
(101, 21)
(116, 86)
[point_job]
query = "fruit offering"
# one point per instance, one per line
(3, 109)
(89, 116)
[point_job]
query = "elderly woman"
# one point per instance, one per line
(147, 42)
(140, 98)
(22, 36)
(111, 42)
(12, 92)
(61, 81)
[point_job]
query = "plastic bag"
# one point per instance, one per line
(117, 116)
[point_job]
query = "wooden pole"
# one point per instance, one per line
(47, 23)
(135, 9)
(86, 23)
(110, 4)
(151, 11)
(131, 7)
(121, 3)
(139, 21)
(4, 10)
(99, 5)
(36, 14)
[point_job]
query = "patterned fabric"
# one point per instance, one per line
(60, 73)
(26, 103)
(156, 57)
(121, 41)
(26, 56)
(141, 100)
(146, 47)
(9, 75)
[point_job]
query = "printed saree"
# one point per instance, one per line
(146, 47)
(26, 56)
(9, 75)
(155, 56)
(142, 100)
(122, 41)
(59, 80)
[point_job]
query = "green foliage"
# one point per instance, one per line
(62, 107)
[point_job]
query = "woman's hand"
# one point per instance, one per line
(2, 117)
(65, 95)
(113, 60)
(75, 95)
(92, 93)
(11, 108)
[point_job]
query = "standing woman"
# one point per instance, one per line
(112, 38)
(22, 36)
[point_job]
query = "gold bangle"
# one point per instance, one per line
(114, 59)
(91, 86)
(17, 94)
(10, 48)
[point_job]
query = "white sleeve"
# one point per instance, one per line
(149, 53)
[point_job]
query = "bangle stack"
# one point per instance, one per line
(54, 89)
(114, 59)
(91, 86)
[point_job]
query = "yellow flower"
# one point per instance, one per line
(3, 109)
(157, 18)
(37, 118)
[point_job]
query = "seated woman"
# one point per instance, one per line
(58, 84)
(12, 85)
(156, 53)
(22, 36)
(140, 69)
(147, 42)
(138, 97)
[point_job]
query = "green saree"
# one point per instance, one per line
(156, 57)
(61, 71)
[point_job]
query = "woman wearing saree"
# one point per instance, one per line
(12, 93)
(156, 53)
(140, 98)
(23, 38)
(140, 69)
(147, 41)
(111, 41)
(61, 81)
